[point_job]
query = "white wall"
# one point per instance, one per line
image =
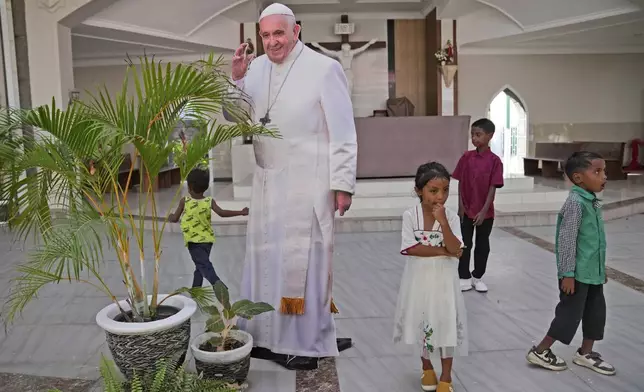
(90, 79)
(370, 91)
(568, 97)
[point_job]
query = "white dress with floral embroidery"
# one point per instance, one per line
(430, 311)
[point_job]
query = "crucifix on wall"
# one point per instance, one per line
(344, 51)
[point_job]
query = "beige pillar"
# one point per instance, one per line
(449, 93)
(50, 53)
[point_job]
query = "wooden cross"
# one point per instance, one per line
(345, 40)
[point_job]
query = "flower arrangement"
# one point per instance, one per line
(445, 55)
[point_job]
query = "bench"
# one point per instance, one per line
(168, 176)
(552, 156)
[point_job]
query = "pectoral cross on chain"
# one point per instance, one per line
(265, 120)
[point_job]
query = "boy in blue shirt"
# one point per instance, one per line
(580, 248)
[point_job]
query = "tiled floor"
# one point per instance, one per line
(58, 336)
(624, 243)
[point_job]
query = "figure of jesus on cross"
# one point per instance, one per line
(346, 54)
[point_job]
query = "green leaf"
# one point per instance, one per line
(247, 309)
(215, 324)
(228, 314)
(203, 296)
(211, 310)
(221, 292)
(110, 375)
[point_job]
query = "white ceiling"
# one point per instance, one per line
(384, 7)
(174, 16)
(179, 27)
(530, 13)
(557, 26)
(628, 34)
(89, 48)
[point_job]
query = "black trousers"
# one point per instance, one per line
(200, 254)
(587, 305)
(481, 247)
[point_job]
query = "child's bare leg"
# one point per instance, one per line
(446, 364)
(424, 357)
(545, 344)
(429, 381)
(586, 346)
(427, 364)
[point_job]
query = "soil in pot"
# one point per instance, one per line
(163, 312)
(230, 344)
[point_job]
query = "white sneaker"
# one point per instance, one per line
(466, 284)
(480, 286)
(594, 362)
(547, 359)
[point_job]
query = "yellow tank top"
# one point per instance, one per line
(195, 221)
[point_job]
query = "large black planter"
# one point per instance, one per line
(137, 347)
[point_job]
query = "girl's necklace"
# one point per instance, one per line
(266, 119)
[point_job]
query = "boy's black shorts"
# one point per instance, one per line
(587, 305)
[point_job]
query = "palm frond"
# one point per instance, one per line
(203, 142)
(77, 131)
(73, 252)
(203, 296)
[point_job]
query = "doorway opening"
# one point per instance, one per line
(510, 141)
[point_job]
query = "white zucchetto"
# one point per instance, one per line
(276, 9)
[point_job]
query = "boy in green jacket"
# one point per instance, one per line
(581, 262)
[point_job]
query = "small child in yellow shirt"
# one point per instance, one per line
(195, 213)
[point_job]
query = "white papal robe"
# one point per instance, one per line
(292, 203)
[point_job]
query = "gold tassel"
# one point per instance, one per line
(292, 306)
(334, 309)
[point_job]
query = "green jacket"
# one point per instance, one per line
(580, 242)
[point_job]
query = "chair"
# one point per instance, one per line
(400, 107)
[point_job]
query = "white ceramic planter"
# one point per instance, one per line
(139, 346)
(105, 318)
(232, 365)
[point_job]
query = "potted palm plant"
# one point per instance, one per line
(76, 202)
(223, 351)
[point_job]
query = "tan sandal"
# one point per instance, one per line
(429, 381)
(445, 387)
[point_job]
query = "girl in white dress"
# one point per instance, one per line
(431, 312)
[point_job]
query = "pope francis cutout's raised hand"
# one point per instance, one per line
(240, 62)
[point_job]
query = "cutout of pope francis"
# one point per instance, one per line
(300, 180)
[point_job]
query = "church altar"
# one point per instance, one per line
(389, 147)
(395, 146)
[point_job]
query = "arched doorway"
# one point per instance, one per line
(510, 141)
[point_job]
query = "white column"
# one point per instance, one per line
(51, 70)
(250, 31)
(9, 54)
(447, 93)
